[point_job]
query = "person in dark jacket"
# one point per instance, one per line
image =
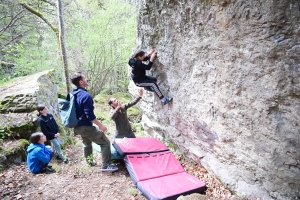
(84, 105)
(118, 113)
(38, 155)
(138, 73)
(50, 129)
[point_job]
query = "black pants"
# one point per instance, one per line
(149, 81)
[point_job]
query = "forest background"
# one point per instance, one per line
(98, 37)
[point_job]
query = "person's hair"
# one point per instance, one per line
(35, 137)
(39, 108)
(138, 54)
(75, 78)
(110, 101)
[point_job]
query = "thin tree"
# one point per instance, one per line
(59, 33)
(62, 43)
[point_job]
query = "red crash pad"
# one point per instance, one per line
(153, 165)
(171, 187)
(126, 146)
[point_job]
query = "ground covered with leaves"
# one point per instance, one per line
(77, 180)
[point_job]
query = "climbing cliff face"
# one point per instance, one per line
(233, 68)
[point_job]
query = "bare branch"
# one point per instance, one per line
(12, 21)
(50, 2)
(40, 15)
(6, 63)
(3, 18)
(13, 39)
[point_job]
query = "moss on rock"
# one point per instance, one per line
(12, 150)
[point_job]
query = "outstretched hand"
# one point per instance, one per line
(103, 128)
(141, 92)
(150, 52)
(119, 104)
(153, 55)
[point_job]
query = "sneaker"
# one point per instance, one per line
(66, 160)
(47, 170)
(166, 100)
(109, 168)
(150, 89)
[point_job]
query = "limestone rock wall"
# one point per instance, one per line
(232, 67)
(18, 101)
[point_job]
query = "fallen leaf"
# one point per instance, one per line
(18, 196)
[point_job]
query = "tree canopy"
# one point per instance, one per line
(99, 37)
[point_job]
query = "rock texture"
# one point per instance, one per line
(18, 101)
(232, 67)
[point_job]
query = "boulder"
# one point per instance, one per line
(233, 69)
(18, 101)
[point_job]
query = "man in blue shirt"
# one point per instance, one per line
(84, 105)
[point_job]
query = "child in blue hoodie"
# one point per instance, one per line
(38, 155)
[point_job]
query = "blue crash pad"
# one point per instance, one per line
(114, 154)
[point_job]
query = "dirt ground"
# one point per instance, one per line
(77, 180)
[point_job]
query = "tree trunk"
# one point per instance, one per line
(62, 42)
(59, 35)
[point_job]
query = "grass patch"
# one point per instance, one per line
(133, 191)
(55, 166)
(102, 109)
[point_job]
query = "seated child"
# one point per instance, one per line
(38, 155)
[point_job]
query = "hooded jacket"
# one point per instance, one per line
(37, 156)
(48, 126)
(119, 115)
(84, 105)
(138, 72)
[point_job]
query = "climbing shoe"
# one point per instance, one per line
(166, 100)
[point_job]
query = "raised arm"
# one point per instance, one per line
(114, 112)
(134, 101)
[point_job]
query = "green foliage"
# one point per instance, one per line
(82, 169)
(4, 133)
(27, 43)
(103, 44)
(31, 57)
(90, 159)
(99, 38)
(133, 191)
(122, 96)
(21, 146)
(138, 129)
(102, 110)
(133, 112)
(56, 167)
